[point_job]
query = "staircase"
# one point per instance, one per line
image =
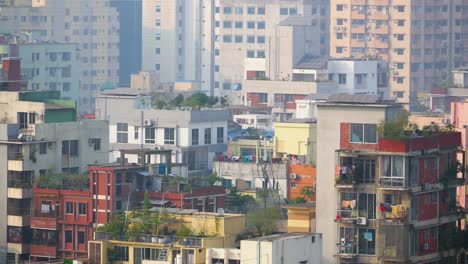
(163, 253)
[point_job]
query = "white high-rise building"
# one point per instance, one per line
(177, 40)
(92, 24)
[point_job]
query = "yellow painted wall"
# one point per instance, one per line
(297, 139)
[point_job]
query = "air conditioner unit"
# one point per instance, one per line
(147, 122)
(361, 221)
(292, 175)
(91, 141)
(343, 241)
(426, 246)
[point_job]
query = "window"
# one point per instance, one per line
(292, 11)
(260, 54)
(70, 147)
(339, 7)
(401, 8)
(365, 171)
(68, 236)
(122, 133)
(158, 36)
(251, 24)
(263, 98)
(339, 21)
(261, 11)
(207, 136)
(339, 35)
(342, 78)
(251, 10)
(366, 242)
(128, 177)
(261, 39)
(150, 135)
(400, 36)
(227, 10)
(261, 25)
(401, 23)
(158, 51)
(250, 54)
(69, 208)
(194, 136)
(121, 253)
(169, 136)
(238, 39)
(250, 39)
(43, 148)
(227, 183)
(23, 120)
(293, 185)
(220, 135)
(348, 240)
(238, 10)
(32, 118)
(363, 133)
(366, 205)
(284, 11)
(81, 237)
(96, 144)
(238, 24)
(157, 67)
(227, 24)
(118, 205)
(135, 133)
(158, 22)
(227, 38)
(339, 49)
(392, 171)
(158, 9)
(82, 208)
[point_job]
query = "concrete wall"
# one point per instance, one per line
(3, 202)
(225, 254)
(296, 139)
(252, 172)
(293, 249)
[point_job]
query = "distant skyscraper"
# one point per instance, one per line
(130, 38)
(92, 24)
(177, 40)
(422, 40)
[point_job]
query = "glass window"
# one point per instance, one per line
(238, 39)
(284, 11)
(227, 38)
(250, 54)
(251, 24)
(70, 147)
(250, 39)
(364, 171)
(392, 166)
(194, 136)
(292, 11)
(251, 10)
(122, 133)
(121, 253)
(239, 10)
(238, 24)
(342, 78)
(207, 136)
(261, 11)
(363, 133)
(150, 135)
(366, 241)
(227, 24)
(69, 208)
(81, 237)
(348, 241)
(261, 25)
(227, 10)
(220, 135)
(260, 39)
(169, 136)
(260, 54)
(82, 208)
(68, 236)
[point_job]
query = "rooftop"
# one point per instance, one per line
(358, 99)
(300, 121)
(123, 91)
(283, 236)
(301, 206)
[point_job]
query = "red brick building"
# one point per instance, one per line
(61, 223)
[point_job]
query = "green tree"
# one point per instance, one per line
(395, 129)
(308, 192)
(178, 100)
(223, 101)
(264, 222)
(197, 101)
(116, 227)
(158, 101)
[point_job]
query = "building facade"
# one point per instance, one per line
(40, 136)
(48, 66)
(422, 41)
(395, 200)
(194, 136)
(93, 25)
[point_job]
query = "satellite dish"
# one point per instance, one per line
(220, 212)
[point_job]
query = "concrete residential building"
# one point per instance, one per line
(93, 25)
(261, 40)
(421, 40)
(195, 137)
(275, 249)
(48, 66)
(177, 40)
(414, 180)
(40, 136)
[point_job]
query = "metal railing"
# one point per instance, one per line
(393, 182)
(148, 238)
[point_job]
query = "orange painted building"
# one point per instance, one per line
(301, 176)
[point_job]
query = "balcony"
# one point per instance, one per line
(19, 193)
(48, 251)
(348, 216)
(19, 220)
(21, 248)
(393, 243)
(44, 220)
(344, 179)
(394, 183)
(397, 215)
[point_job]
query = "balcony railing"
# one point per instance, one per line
(397, 215)
(22, 184)
(147, 238)
(346, 215)
(15, 156)
(393, 182)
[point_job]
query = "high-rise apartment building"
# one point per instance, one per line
(177, 40)
(385, 199)
(93, 25)
(248, 37)
(422, 40)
